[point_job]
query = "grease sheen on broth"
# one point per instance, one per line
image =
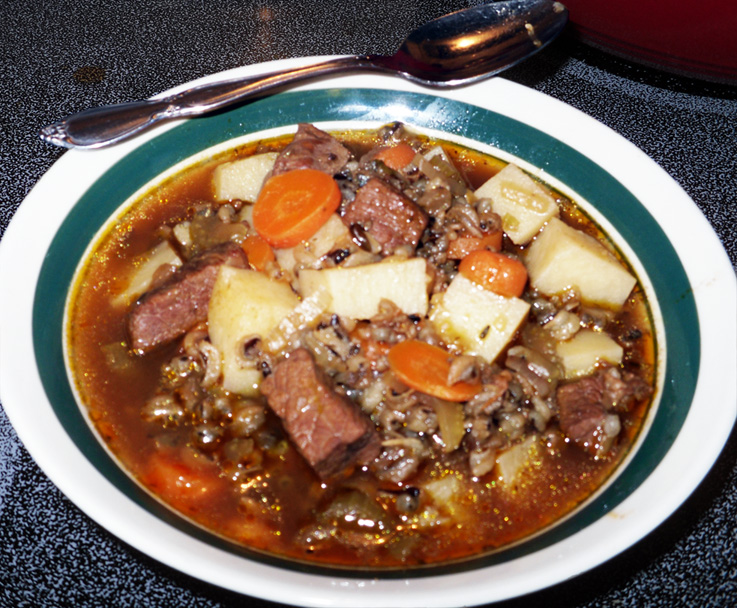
(226, 462)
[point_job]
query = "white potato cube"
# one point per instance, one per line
(444, 490)
(242, 179)
(563, 258)
(145, 266)
(448, 503)
(356, 292)
(522, 203)
(511, 463)
(580, 354)
(327, 238)
(244, 303)
(480, 321)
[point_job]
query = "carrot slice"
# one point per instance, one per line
(397, 157)
(425, 368)
(460, 247)
(184, 484)
(258, 251)
(292, 206)
(495, 271)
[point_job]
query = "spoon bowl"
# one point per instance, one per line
(476, 43)
(459, 48)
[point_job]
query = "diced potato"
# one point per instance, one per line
(445, 492)
(322, 242)
(429, 517)
(449, 504)
(357, 291)
(563, 258)
(480, 321)
(523, 204)
(242, 179)
(245, 303)
(146, 266)
(580, 354)
(183, 234)
(446, 503)
(511, 463)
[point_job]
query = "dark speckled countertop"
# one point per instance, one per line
(61, 56)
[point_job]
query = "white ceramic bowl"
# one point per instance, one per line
(675, 252)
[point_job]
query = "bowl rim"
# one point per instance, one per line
(102, 201)
(332, 590)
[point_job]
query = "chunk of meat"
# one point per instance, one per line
(587, 407)
(387, 215)
(329, 430)
(621, 391)
(584, 418)
(312, 148)
(173, 308)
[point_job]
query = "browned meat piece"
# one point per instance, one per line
(586, 407)
(583, 416)
(622, 391)
(328, 429)
(312, 149)
(387, 215)
(170, 310)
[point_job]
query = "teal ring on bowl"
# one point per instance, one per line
(626, 214)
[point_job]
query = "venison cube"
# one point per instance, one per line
(170, 310)
(387, 215)
(312, 148)
(329, 430)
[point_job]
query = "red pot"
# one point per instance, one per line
(696, 38)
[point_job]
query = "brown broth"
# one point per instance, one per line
(485, 516)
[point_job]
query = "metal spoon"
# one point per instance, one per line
(459, 48)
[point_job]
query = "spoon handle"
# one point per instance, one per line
(98, 127)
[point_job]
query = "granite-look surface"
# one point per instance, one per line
(61, 56)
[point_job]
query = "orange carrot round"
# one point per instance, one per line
(460, 247)
(397, 157)
(425, 368)
(495, 271)
(292, 206)
(182, 484)
(258, 251)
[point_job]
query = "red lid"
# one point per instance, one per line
(697, 39)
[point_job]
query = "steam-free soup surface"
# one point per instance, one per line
(237, 431)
